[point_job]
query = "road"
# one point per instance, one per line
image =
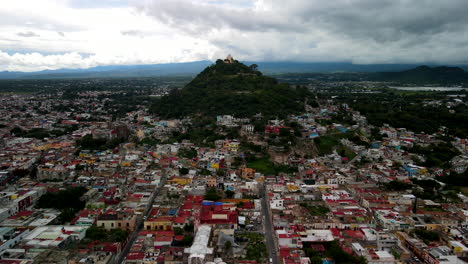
(139, 225)
(269, 231)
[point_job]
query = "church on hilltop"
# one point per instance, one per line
(229, 59)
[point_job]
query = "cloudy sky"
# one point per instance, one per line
(52, 34)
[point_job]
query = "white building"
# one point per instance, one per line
(54, 236)
(317, 235)
(199, 249)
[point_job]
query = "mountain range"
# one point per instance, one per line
(193, 68)
(441, 75)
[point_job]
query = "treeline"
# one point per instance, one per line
(41, 133)
(89, 143)
(409, 110)
(436, 155)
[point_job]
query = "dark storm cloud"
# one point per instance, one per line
(197, 17)
(382, 20)
(27, 34)
(362, 31)
(388, 20)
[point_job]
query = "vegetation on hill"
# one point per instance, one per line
(90, 143)
(436, 155)
(426, 75)
(232, 89)
(411, 111)
(455, 179)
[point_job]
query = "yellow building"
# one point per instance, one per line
(160, 223)
(180, 181)
(458, 248)
(292, 187)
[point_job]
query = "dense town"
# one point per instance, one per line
(81, 185)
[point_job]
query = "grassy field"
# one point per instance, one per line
(326, 144)
(264, 166)
(346, 152)
(267, 167)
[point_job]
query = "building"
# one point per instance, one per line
(159, 223)
(125, 220)
(199, 250)
(54, 236)
(229, 59)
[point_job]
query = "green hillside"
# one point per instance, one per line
(232, 88)
(426, 75)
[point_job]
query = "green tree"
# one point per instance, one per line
(178, 231)
(183, 171)
(212, 195)
(316, 260)
(188, 153)
(229, 193)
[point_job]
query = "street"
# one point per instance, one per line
(140, 221)
(269, 231)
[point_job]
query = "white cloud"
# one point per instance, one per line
(57, 34)
(51, 34)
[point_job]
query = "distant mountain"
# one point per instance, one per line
(232, 89)
(327, 67)
(115, 71)
(192, 68)
(426, 75)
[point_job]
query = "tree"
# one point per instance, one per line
(189, 228)
(183, 171)
(100, 234)
(66, 215)
(79, 167)
(212, 195)
(397, 186)
(316, 260)
(178, 231)
(227, 246)
(20, 173)
(187, 240)
(426, 235)
(17, 131)
(68, 201)
(96, 233)
(229, 193)
(188, 153)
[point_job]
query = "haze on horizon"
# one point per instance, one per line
(53, 34)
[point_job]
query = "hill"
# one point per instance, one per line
(426, 75)
(232, 88)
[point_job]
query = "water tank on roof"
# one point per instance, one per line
(218, 203)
